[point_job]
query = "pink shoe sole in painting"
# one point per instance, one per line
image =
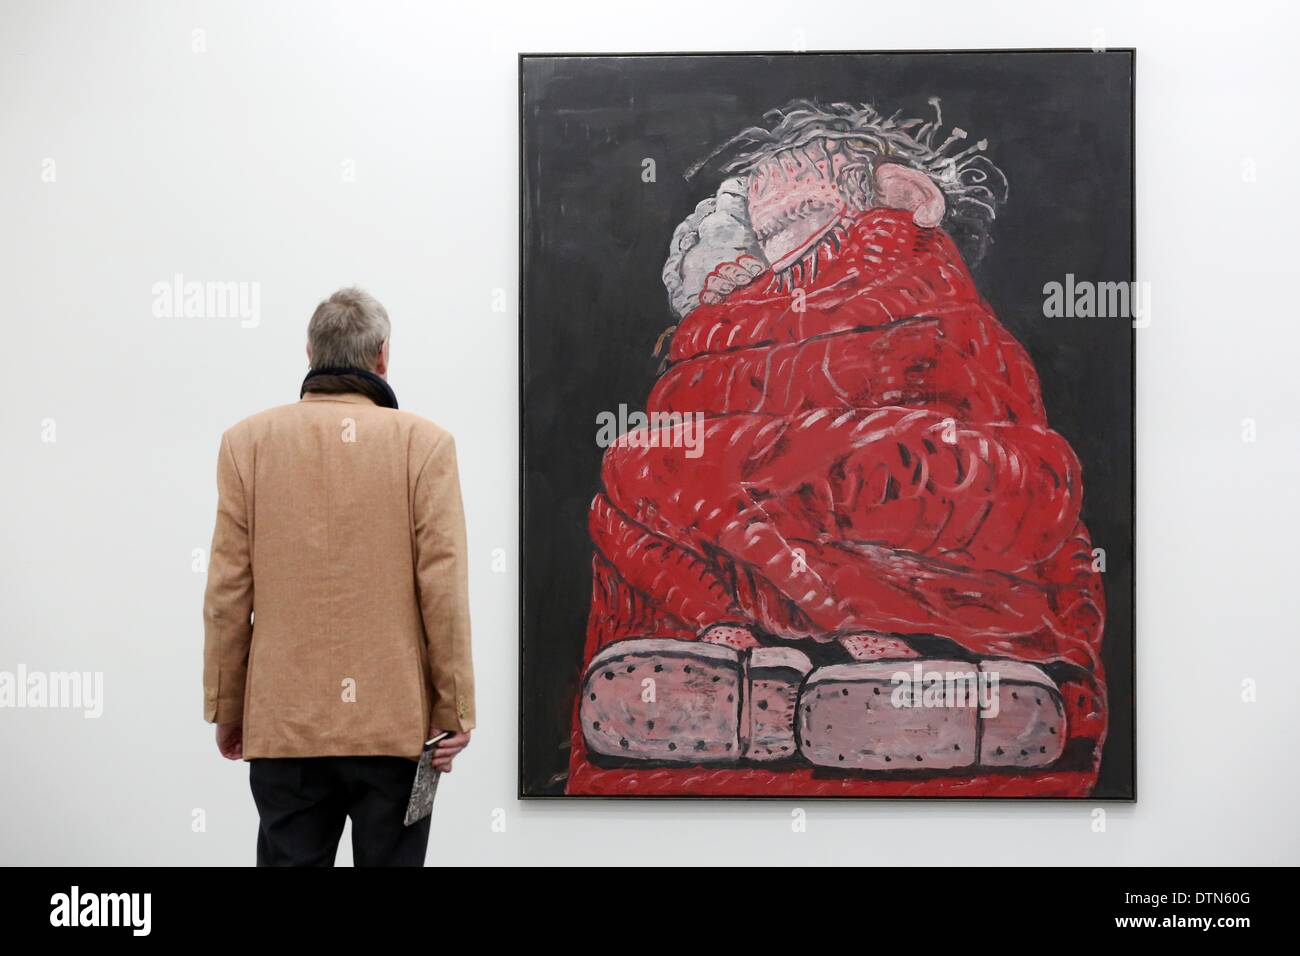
(693, 702)
(931, 715)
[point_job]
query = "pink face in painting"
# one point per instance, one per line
(795, 197)
(794, 200)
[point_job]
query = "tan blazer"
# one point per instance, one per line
(336, 617)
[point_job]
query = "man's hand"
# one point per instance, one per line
(230, 741)
(447, 748)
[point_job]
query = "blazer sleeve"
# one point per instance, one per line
(228, 598)
(442, 577)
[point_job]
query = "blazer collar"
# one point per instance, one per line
(351, 398)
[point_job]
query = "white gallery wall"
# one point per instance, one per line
(302, 146)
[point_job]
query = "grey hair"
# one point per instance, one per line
(972, 185)
(348, 330)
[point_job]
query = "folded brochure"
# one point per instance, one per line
(426, 784)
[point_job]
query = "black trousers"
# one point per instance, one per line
(304, 801)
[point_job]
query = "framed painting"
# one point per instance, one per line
(827, 425)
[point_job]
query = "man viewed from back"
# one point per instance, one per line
(336, 615)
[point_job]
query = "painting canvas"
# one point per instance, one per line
(827, 425)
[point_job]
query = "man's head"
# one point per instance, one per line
(350, 329)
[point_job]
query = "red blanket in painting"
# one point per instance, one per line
(875, 460)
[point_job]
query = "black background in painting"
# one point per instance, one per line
(595, 237)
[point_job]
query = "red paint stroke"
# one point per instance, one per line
(886, 427)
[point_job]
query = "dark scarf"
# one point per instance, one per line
(339, 381)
